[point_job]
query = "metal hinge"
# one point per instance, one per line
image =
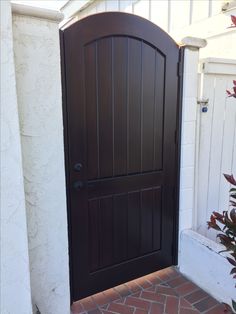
(180, 64)
(180, 68)
(203, 101)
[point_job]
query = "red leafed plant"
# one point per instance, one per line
(232, 94)
(233, 20)
(226, 224)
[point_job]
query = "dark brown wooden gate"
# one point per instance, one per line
(120, 81)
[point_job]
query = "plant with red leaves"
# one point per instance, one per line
(227, 219)
(234, 90)
(233, 19)
(226, 224)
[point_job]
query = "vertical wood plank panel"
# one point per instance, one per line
(157, 223)
(200, 10)
(215, 7)
(233, 165)
(124, 202)
(120, 56)
(204, 154)
(93, 209)
(134, 162)
(134, 224)
(101, 7)
(159, 110)
(148, 81)
(112, 5)
(180, 11)
(141, 8)
(227, 147)
(91, 110)
(159, 13)
(126, 6)
(105, 107)
(146, 221)
(120, 227)
(216, 150)
(106, 231)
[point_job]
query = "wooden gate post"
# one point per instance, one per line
(188, 142)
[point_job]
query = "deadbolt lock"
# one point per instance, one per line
(78, 167)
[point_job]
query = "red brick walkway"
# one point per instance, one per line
(165, 291)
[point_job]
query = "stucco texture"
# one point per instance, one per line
(15, 281)
(37, 60)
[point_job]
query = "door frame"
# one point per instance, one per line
(66, 156)
(175, 240)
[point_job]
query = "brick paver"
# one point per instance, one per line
(163, 292)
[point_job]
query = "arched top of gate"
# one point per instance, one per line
(101, 25)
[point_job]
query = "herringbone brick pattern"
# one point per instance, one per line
(162, 292)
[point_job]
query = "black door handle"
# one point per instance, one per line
(78, 185)
(78, 167)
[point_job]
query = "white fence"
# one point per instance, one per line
(169, 15)
(208, 19)
(216, 140)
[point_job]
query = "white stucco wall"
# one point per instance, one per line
(38, 78)
(15, 280)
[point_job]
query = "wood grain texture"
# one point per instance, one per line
(121, 128)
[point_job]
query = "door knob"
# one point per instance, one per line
(78, 167)
(78, 185)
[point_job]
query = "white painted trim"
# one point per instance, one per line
(201, 262)
(47, 14)
(193, 42)
(218, 66)
(219, 60)
(72, 7)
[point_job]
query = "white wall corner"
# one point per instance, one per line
(38, 80)
(202, 263)
(14, 264)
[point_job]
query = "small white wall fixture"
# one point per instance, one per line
(37, 62)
